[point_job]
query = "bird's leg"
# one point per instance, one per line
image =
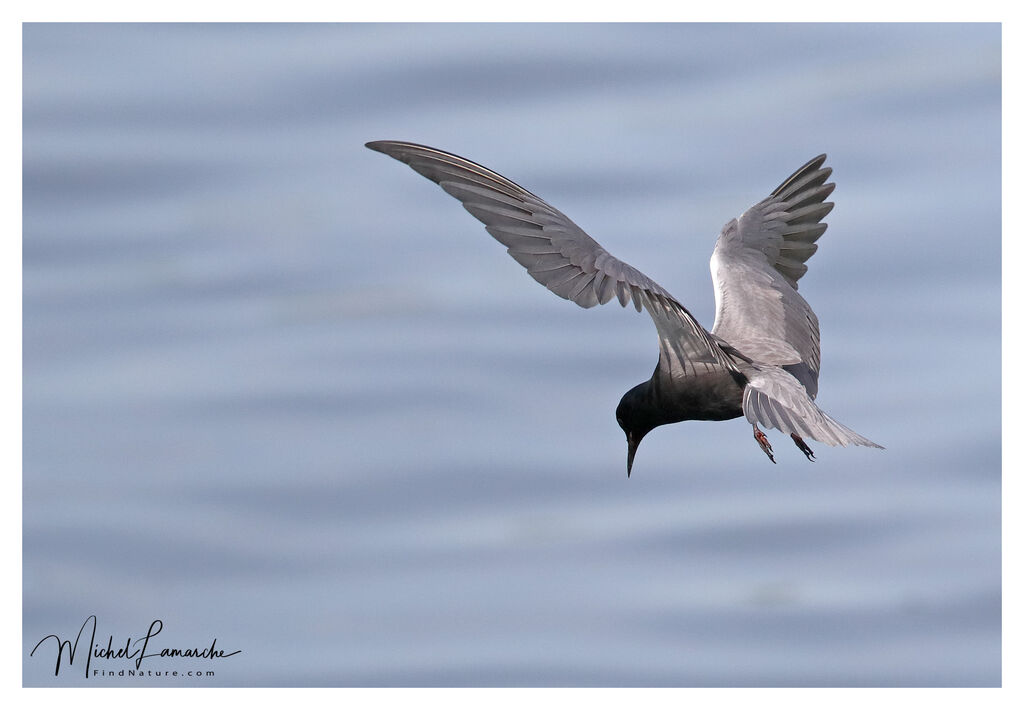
(803, 447)
(762, 441)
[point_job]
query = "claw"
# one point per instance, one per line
(803, 447)
(762, 440)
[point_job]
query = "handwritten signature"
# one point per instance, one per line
(131, 650)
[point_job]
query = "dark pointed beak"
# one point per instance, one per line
(632, 443)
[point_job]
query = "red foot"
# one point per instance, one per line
(762, 440)
(804, 448)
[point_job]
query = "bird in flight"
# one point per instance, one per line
(762, 356)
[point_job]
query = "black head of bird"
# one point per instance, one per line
(636, 421)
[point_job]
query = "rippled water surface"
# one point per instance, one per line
(282, 391)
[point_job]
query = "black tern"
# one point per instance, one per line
(762, 356)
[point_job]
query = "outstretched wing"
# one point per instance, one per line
(755, 268)
(560, 255)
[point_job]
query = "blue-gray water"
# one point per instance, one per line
(282, 391)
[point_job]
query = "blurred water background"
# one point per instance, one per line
(282, 391)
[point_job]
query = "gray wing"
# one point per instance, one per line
(560, 255)
(755, 267)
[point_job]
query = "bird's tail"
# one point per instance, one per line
(776, 399)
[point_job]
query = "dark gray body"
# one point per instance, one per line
(715, 396)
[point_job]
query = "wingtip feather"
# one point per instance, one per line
(379, 146)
